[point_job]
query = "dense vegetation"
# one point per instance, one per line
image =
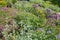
(29, 20)
(55, 2)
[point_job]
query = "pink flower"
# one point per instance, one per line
(14, 10)
(1, 28)
(5, 8)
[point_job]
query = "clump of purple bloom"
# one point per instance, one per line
(35, 5)
(49, 16)
(49, 31)
(48, 10)
(48, 13)
(41, 29)
(58, 36)
(56, 16)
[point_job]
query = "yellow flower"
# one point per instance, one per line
(41, 11)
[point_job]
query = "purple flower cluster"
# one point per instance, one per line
(56, 16)
(48, 13)
(49, 16)
(49, 31)
(58, 36)
(41, 29)
(35, 5)
(48, 10)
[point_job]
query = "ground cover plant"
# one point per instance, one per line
(29, 20)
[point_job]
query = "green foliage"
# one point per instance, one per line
(33, 20)
(55, 2)
(3, 3)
